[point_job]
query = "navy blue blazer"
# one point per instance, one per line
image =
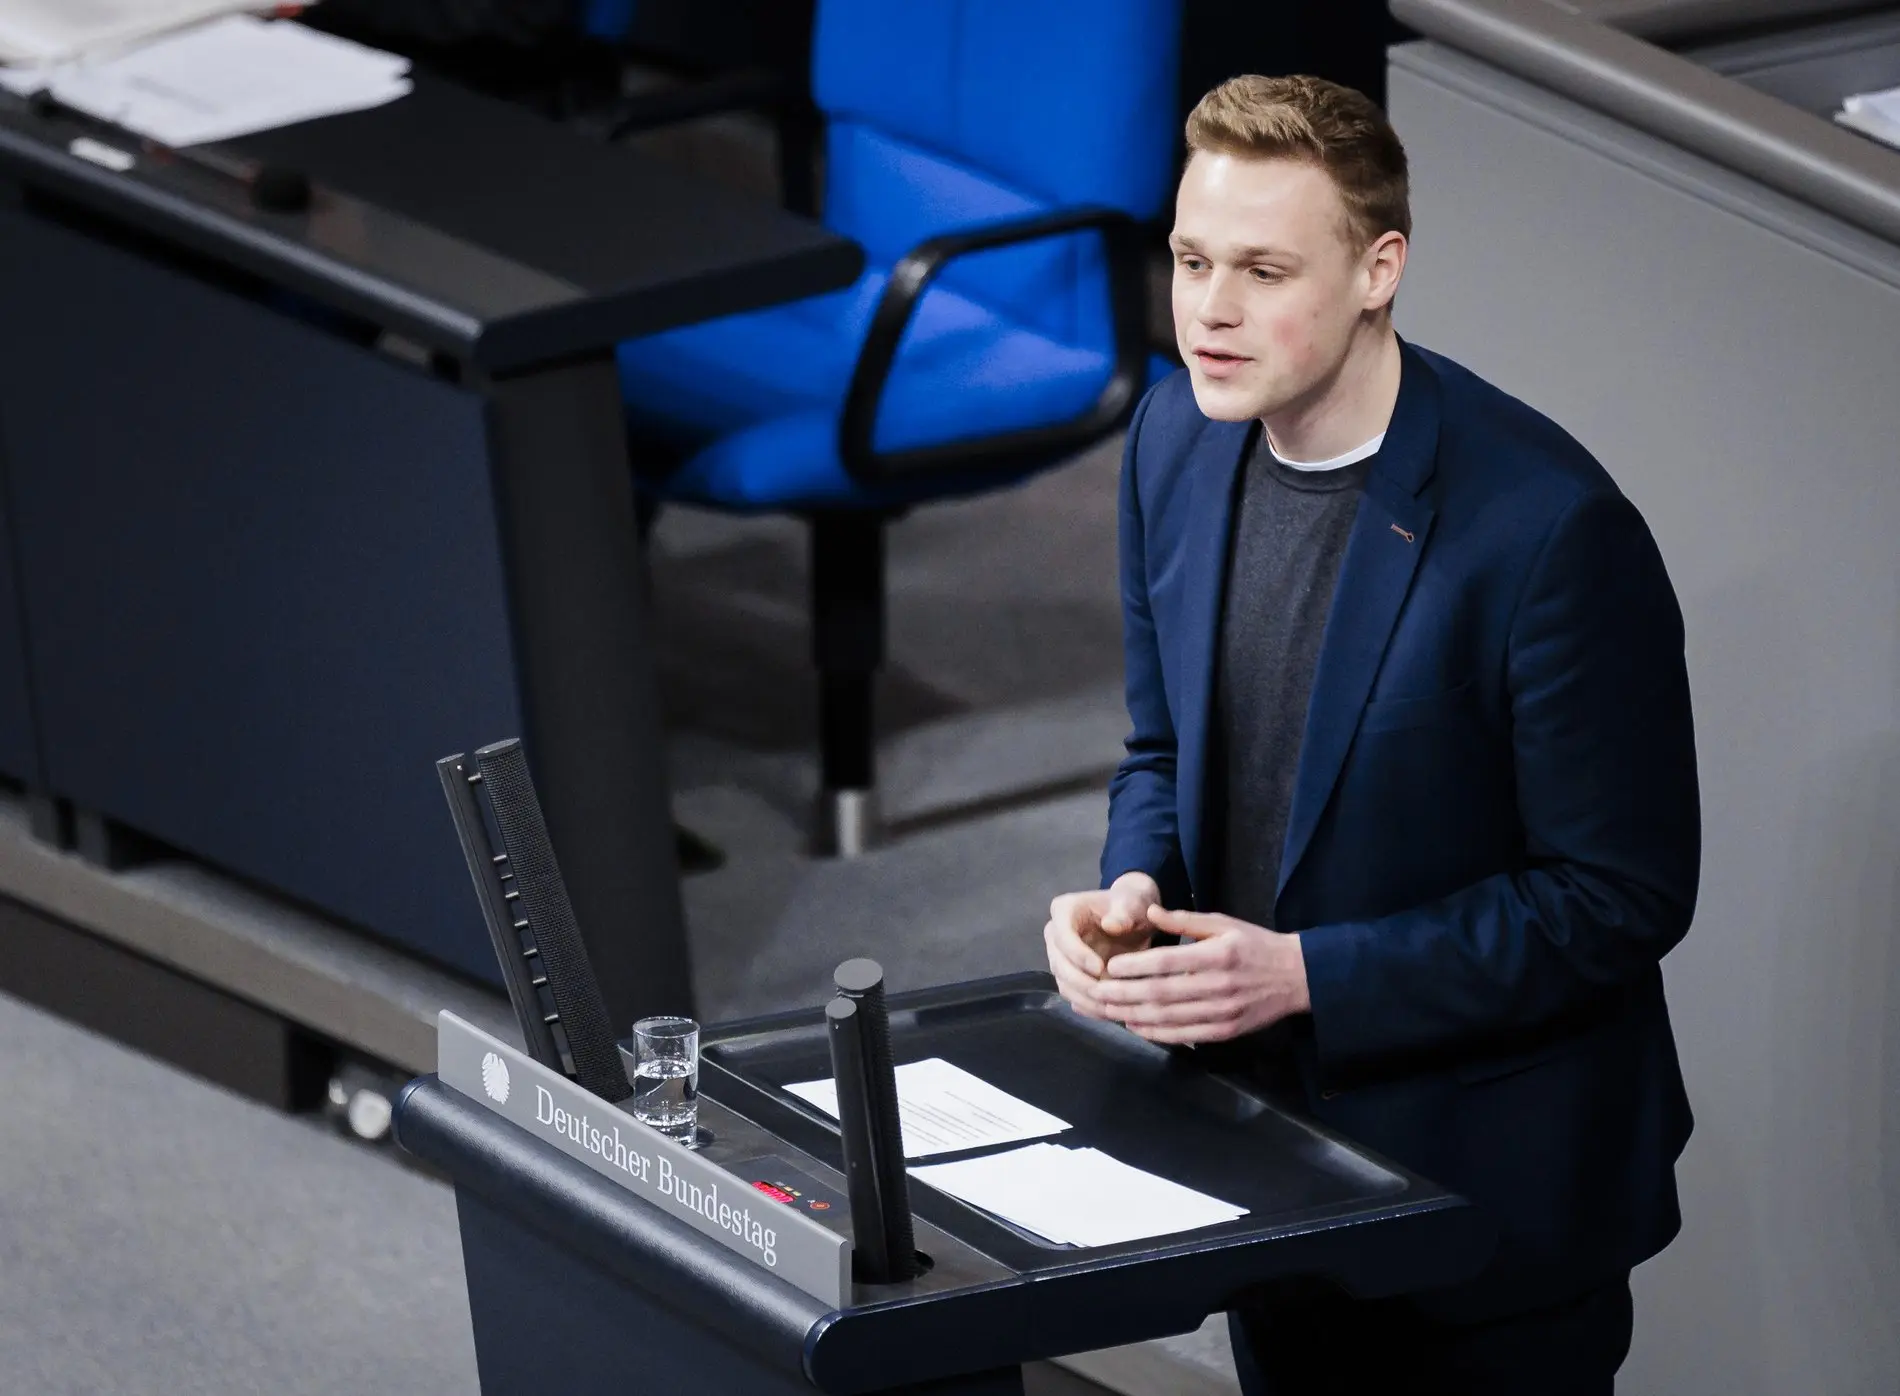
(1495, 830)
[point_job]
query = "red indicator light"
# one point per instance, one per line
(773, 1191)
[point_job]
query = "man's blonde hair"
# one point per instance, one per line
(1321, 123)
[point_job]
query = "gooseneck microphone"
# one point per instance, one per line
(858, 1026)
(530, 921)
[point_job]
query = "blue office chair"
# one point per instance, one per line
(606, 19)
(996, 159)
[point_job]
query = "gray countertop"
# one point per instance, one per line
(1699, 74)
(471, 226)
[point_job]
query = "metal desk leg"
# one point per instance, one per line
(564, 500)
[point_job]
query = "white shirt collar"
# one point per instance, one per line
(1357, 453)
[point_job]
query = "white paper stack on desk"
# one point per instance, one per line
(1080, 1196)
(1875, 114)
(225, 79)
(943, 1109)
(55, 31)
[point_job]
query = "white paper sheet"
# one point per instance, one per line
(44, 31)
(1875, 114)
(1083, 1197)
(943, 1109)
(24, 82)
(231, 77)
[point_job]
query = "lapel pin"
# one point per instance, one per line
(1402, 533)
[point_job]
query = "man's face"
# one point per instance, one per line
(1267, 286)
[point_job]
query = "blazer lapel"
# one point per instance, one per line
(1388, 537)
(1214, 474)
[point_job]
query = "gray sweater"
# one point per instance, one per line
(1289, 537)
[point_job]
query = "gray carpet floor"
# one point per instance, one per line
(158, 1235)
(999, 716)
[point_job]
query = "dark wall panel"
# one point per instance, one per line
(1344, 40)
(262, 578)
(17, 756)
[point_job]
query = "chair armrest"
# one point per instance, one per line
(1121, 236)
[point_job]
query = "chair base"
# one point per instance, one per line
(847, 822)
(847, 610)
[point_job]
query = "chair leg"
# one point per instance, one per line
(847, 606)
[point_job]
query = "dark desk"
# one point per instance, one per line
(18, 758)
(303, 501)
(582, 1284)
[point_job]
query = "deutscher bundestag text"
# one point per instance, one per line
(704, 1201)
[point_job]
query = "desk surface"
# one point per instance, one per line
(1156, 1109)
(474, 227)
(996, 1296)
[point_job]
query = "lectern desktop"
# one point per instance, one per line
(583, 1278)
(602, 1256)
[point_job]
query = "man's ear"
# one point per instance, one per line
(1384, 264)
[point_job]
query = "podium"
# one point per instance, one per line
(581, 1279)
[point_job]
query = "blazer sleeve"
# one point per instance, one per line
(1142, 829)
(1604, 750)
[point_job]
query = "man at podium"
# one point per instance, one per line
(1409, 815)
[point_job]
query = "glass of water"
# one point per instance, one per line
(666, 1076)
